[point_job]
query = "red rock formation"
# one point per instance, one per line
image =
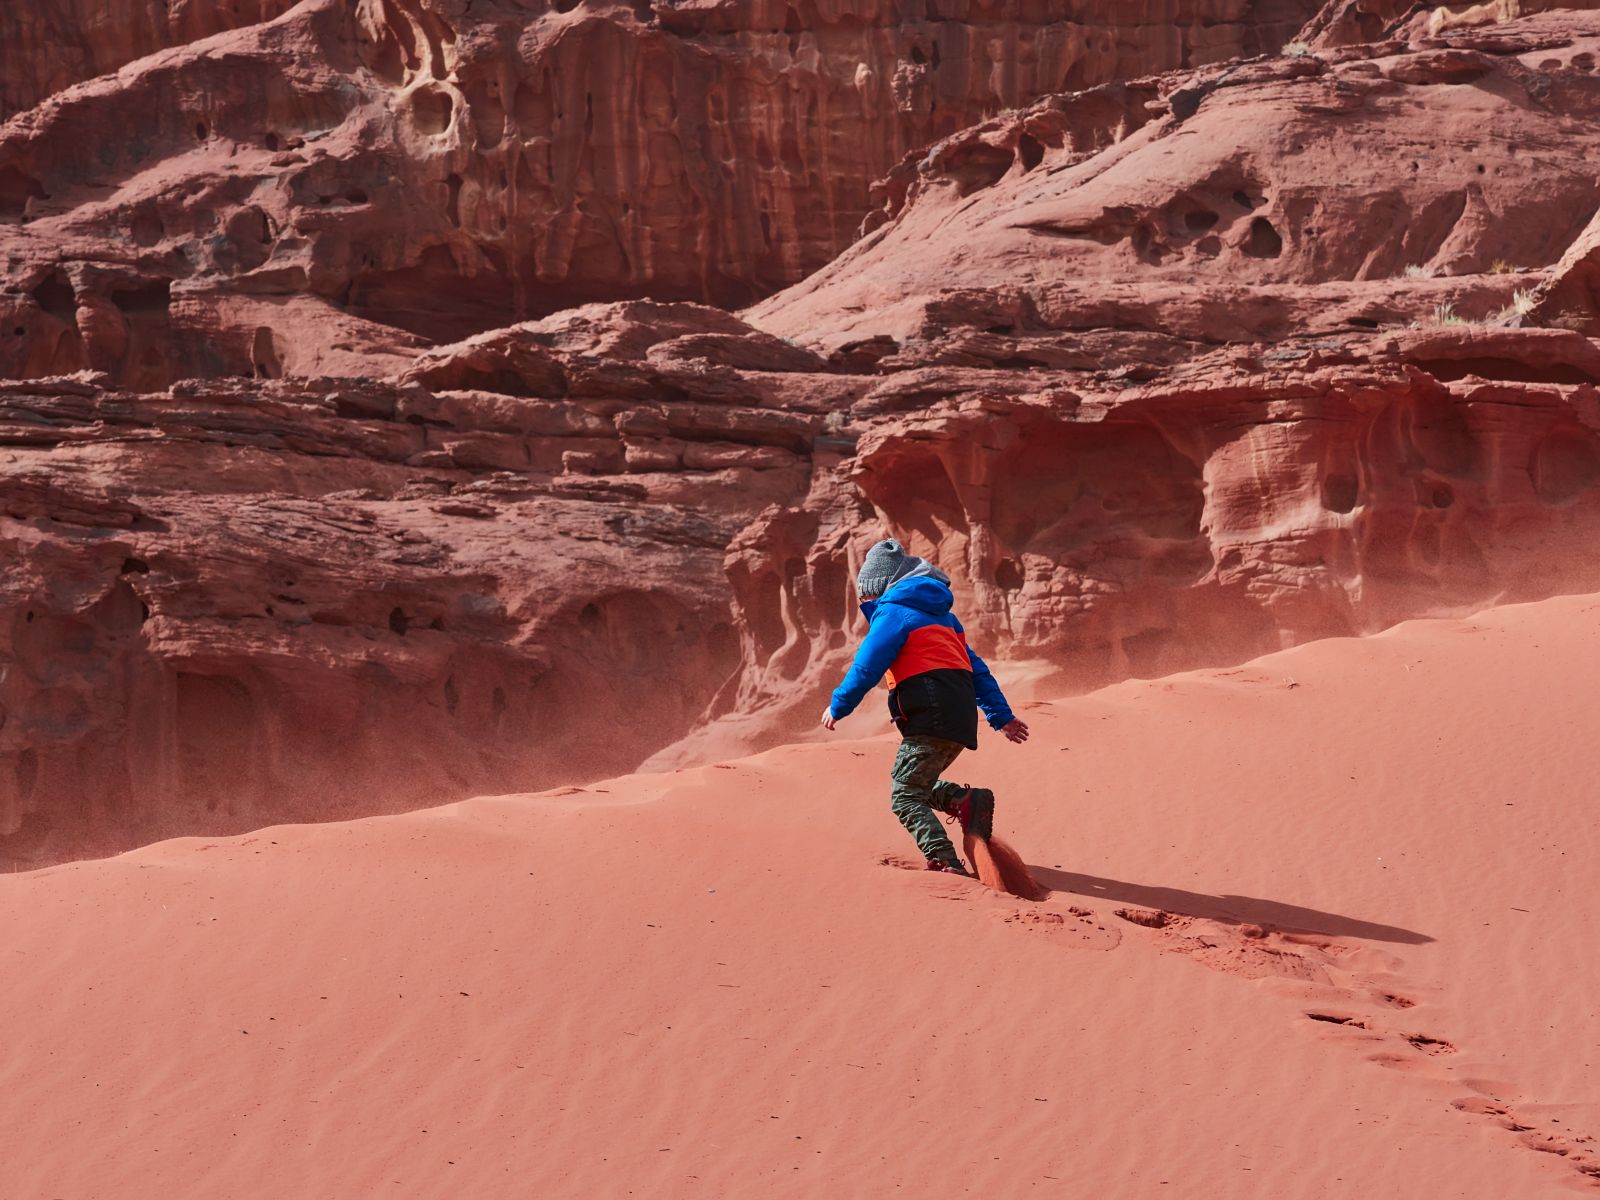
(1219, 208)
(1065, 440)
(234, 604)
(1571, 297)
(447, 167)
(1136, 365)
(47, 47)
(1355, 22)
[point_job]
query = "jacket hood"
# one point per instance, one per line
(923, 593)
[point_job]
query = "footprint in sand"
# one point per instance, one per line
(1533, 1135)
(1393, 1000)
(1430, 1045)
(1352, 974)
(1073, 928)
(1249, 951)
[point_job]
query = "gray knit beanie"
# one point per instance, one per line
(887, 564)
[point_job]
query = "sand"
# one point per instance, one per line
(1366, 965)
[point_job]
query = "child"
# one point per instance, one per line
(937, 684)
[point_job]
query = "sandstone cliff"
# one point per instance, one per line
(1168, 370)
(251, 203)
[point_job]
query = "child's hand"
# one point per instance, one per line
(827, 718)
(1017, 731)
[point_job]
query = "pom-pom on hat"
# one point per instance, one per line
(887, 564)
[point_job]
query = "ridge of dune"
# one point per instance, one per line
(1355, 881)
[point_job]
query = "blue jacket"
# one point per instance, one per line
(937, 683)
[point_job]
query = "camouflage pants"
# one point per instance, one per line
(919, 793)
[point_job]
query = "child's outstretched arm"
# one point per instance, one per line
(877, 652)
(993, 701)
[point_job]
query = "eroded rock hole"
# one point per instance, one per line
(1441, 495)
(251, 224)
(249, 236)
(1030, 151)
(16, 189)
(1340, 493)
(1147, 246)
(135, 566)
(56, 296)
(1008, 575)
(431, 109)
(398, 622)
(1264, 240)
(145, 226)
(1200, 221)
(152, 298)
(1243, 200)
(977, 166)
(201, 131)
(1566, 464)
(264, 359)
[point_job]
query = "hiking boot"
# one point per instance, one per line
(975, 811)
(951, 866)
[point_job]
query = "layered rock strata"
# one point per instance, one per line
(1136, 364)
(251, 203)
(45, 48)
(235, 604)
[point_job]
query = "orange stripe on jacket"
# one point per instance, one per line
(930, 648)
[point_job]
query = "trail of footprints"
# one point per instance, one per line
(1364, 1009)
(1364, 1001)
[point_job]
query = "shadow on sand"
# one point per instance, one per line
(1233, 910)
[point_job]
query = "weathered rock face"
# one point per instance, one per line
(1221, 513)
(1356, 22)
(558, 549)
(446, 167)
(1212, 215)
(1110, 489)
(239, 603)
(1137, 365)
(47, 47)
(1571, 297)
(1343, 23)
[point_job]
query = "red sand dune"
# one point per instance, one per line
(1374, 975)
